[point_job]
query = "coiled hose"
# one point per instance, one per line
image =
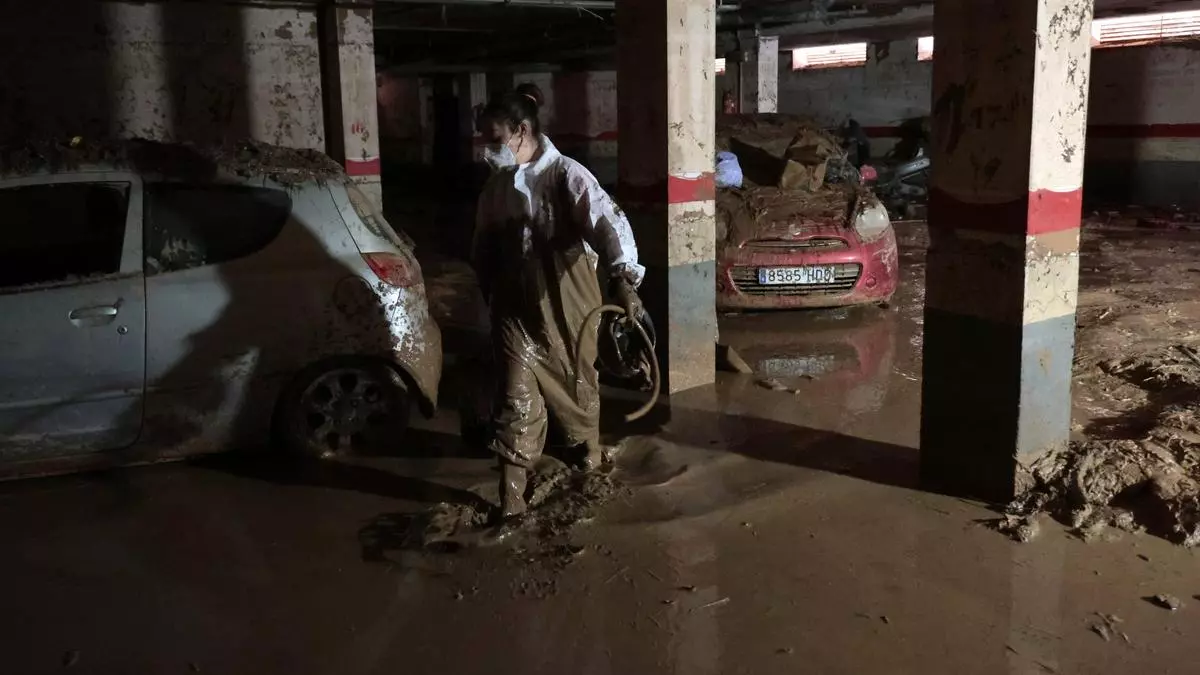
(655, 378)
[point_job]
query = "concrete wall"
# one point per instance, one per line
(891, 87)
(579, 114)
(400, 117)
(201, 72)
(1143, 125)
(1144, 121)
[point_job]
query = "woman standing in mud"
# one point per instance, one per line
(544, 224)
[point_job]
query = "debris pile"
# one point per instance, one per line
(1151, 483)
(1174, 369)
(796, 179)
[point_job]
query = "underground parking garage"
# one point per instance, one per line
(915, 387)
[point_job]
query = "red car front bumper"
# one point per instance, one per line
(867, 272)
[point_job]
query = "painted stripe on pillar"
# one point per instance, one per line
(691, 187)
(1039, 212)
(965, 393)
(691, 327)
(1047, 352)
(1051, 211)
(691, 238)
(1051, 276)
(363, 167)
(1094, 131)
(676, 189)
(968, 271)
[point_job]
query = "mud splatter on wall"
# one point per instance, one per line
(170, 71)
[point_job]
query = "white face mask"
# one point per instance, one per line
(500, 155)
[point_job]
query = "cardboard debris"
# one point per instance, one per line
(806, 160)
(799, 176)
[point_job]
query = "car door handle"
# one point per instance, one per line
(94, 312)
(93, 316)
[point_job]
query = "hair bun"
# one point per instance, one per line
(532, 92)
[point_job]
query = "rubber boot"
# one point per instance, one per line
(508, 519)
(513, 481)
(593, 456)
(598, 455)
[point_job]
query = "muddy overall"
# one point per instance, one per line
(542, 230)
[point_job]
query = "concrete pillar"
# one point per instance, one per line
(766, 90)
(666, 116)
(349, 89)
(1010, 106)
(472, 97)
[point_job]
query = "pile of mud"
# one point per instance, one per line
(1173, 370)
(1150, 483)
(559, 499)
(287, 166)
(769, 213)
(764, 129)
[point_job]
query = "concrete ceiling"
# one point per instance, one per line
(434, 36)
(518, 34)
(878, 20)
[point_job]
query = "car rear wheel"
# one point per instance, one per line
(344, 406)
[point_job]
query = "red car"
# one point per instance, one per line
(778, 248)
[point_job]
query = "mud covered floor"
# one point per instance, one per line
(1134, 465)
(760, 531)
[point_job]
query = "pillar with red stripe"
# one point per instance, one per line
(1009, 113)
(665, 117)
(350, 93)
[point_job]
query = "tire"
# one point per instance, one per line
(343, 406)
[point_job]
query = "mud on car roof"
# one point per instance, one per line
(287, 166)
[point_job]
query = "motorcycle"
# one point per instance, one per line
(902, 182)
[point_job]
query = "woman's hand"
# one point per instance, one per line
(625, 295)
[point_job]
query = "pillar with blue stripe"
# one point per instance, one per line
(1009, 114)
(666, 117)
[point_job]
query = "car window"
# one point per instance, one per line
(59, 231)
(193, 225)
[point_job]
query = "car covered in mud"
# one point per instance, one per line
(163, 301)
(802, 230)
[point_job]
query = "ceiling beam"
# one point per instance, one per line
(608, 5)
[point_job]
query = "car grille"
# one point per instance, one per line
(816, 243)
(845, 277)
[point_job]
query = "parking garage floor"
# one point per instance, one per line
(774, 525)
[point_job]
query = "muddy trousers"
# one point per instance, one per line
(527, 398)
(530, 395)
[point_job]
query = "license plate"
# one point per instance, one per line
(799, 276)
(805, 366)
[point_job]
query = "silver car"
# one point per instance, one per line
(151, 313)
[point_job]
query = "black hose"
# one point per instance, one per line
(655, 377)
